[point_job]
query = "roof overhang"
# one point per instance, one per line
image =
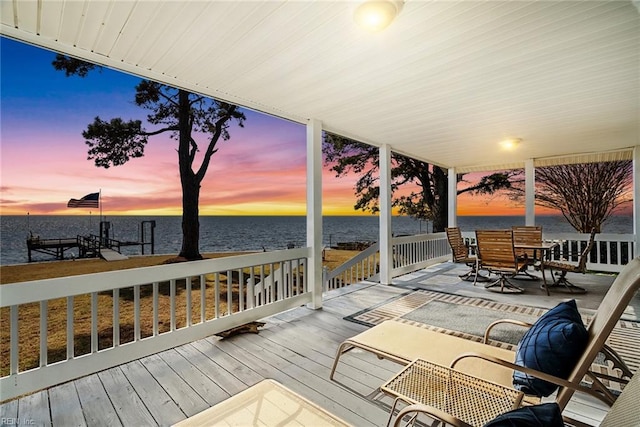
(445, 83)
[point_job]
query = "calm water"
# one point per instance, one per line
(241, 233)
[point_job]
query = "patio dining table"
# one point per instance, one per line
(541, 251)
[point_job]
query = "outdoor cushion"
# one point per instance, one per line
(545, 415)
(553, 345)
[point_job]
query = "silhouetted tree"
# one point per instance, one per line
(181, 114)
(586, 194)
(429, 203)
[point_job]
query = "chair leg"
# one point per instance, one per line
(504, 284)
(475, 272)
(341, 350)
(563, 282)
(544, 279)
(468, 274)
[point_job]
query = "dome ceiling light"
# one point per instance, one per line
(376, 15)
(510, 143)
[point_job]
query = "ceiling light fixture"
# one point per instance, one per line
(511, 143)
(376, 15)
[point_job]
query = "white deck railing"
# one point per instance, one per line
(363, 266)
(124, 315)
(610, 253)
(410, 253)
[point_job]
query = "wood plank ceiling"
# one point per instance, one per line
(444, 83)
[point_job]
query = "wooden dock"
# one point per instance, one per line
(55, 247)
(91, 246)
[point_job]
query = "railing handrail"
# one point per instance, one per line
(61, 287)
(371, 250)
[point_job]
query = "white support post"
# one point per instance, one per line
(452, 196)
(386, 252)
(314, 211)
(636, 199)
(530, 192)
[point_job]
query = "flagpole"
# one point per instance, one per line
(100, 203)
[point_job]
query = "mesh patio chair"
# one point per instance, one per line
(497, 255)
(625, 412)
(564, 267)
(460, 253)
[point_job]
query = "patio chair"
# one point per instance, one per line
(528, 235)
(564, 267)
(497, 255)
(460, 253)
(403, 342)
(625, 411)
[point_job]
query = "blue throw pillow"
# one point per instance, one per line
(544, 415)
(553, 345)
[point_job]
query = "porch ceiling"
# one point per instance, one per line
(444, 83)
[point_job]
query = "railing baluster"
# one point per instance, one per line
(289, 279)
(155, 287)
(136, 313)
(251, 302)
(262, 292)
(229, 293)
(241, 296)
(43, 332)
(203, 299)
(299, 290)
(271, 281)
(216, 289)
(13, 364)
(172, 304)
(116, 317)
(305, 277)
(281, 285)
(94, 322)
(70, 329)
(188, 303)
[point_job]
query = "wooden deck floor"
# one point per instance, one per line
(295, 348)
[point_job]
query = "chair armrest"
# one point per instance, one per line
(611, 355)
(544, 376)
(437, 414)
(497, 322)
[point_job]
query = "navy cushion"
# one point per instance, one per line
(553, 345)
(545, 415)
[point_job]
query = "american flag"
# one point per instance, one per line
(88, 201)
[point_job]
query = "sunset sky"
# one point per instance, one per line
(43, 156)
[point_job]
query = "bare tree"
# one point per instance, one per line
(586, 194)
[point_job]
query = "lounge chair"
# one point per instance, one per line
(402, 343)
(565, 267)
(460, 253)
(497, 255)
(625, 411)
